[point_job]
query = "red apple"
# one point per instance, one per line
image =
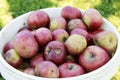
(60, 35)
(43, 36)
(33, 32)
(76, 23)
(57, 23)
(69, 13)
(8, 46)
(25, 44)
(36, 60)
(38, 19)
(75, 44)
(25, 28)
(13, 58)
(55, 51)
(93, 58)
(93, 19)
(79, 31)
(30, 71)
(70, 70)
(47, 69)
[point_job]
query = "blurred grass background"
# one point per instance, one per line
(110, 9)
(10, 9)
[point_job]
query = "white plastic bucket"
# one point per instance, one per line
(9, 73)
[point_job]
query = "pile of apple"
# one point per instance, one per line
(65, 46)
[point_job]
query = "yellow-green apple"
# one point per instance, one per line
(13, 58)
(47, 69)
(57, 23)
(70, 70)
(55, 51)
(107, 40)
(75, 44)
(25, 44)
(92, 18)
(37, 19)
(93, 58)
(60, 35)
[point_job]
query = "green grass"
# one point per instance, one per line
(22, 6)
(13, 8)
(1, 78)
(109, 9)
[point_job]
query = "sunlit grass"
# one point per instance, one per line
(107, 8)
(115, 21)
(81, 4)
(5, 15)
(117, 75)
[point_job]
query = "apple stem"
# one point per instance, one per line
(38, 75)
(64, 39)
(95, 42)
(92, 56)
(71, 67)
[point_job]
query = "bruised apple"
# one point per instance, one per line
(55, 51)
